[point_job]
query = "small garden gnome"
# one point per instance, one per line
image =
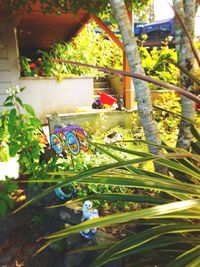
(89, 213)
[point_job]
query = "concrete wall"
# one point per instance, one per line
(46, 95)
(102, 120)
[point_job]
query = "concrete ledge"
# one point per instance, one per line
(102, 118)
(54, 78)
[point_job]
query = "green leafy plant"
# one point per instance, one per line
(22, 126)
(157, 65)
(169, 220)
(4, 137)
(25, 66)
(7, 187)
(167, 121)
(88, 47)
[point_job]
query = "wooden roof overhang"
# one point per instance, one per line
(36, 30)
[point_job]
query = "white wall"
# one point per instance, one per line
(47, 96)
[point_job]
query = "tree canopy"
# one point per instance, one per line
(59, 6)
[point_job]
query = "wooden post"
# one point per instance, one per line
(108, 31)
(127, 90)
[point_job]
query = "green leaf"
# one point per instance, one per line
(12, 120)
(10, 186)
(195, 147)
(190, 258)
(36, 123)
(130, 168)
(135, 241)
(187, 163)
(146, 213)
(147, 183)
(157, 244)
(179, 167)
(125, 197)
(12, 116)
(19, 101)
(8, 104)
(124, 150)
(184, 70)
(195, 262)
(135, 182)
(22, 89)
(14, 149)
(177, 115)
(9, 99)
(29, 109)
(195, 133)
(3, 208)
(83, 175)
(157, 211)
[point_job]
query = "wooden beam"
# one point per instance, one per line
(86, 20)
(127, 90)
(108, 31)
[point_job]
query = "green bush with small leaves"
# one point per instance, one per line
(88, 47)
(166, 117)
(22, 126)
(157, 65)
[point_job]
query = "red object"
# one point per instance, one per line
(197, 106)
(32, 65)
(107, 99)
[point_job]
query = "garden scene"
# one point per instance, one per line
(99, 133)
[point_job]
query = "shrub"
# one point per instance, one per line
(88, 47)
(156, 64)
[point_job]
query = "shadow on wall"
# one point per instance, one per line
(101, 120)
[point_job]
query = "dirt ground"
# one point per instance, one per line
(19, 241)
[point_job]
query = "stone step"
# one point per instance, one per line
(101, 79)
(100, 84)
(107, 90)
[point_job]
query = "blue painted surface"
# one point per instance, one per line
(157, 32)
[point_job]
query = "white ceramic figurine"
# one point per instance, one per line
(89, 213)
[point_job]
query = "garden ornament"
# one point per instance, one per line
(88, 214)
(70, 139)
(60, 194)
(113, 137)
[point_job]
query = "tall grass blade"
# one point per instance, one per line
(132, 242)
(187, 258)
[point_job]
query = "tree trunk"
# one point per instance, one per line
(141, 88)
(186, 10)
(142, 91)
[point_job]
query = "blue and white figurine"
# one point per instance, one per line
(89, 213)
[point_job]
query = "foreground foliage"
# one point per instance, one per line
(18, 138)
(168, 219)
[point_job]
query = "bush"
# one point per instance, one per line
(156, 65)
(88, 47)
